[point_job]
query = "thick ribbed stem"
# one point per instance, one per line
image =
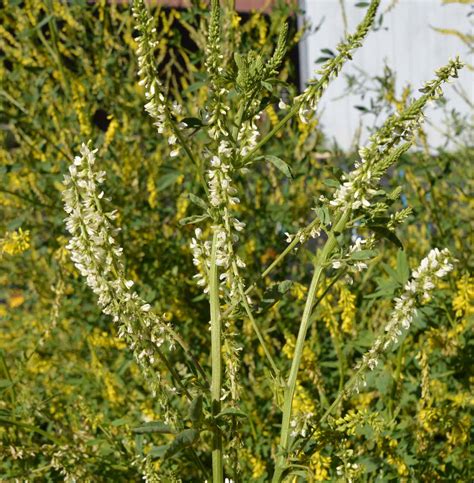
(216, 363)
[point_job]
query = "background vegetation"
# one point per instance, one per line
(70, 391)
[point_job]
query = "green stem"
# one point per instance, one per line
(274, 264)
(177, 132)
(292, 112)
(305, 322)
(396, 378)
(343, 392)
(256, 328)
(8, 376)
(216, 363)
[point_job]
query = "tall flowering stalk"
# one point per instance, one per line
(99, 259)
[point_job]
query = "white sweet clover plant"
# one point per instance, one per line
(234, 143)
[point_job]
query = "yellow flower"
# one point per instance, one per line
(16, 299)
(272, 115)
(152, 192)
(462, 302)
(320, 465)
(298, 291)
(181, 207)
(110, 133)
(346, 302)
(258, 467)
(15, 243)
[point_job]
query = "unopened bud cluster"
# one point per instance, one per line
(310, 97)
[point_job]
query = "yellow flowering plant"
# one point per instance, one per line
(309, 371)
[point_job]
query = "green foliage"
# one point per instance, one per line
(74, 404)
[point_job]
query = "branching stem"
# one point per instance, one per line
(305, 322)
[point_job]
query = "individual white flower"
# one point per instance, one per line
(359, 266)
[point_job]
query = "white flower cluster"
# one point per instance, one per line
(300, 425)
(309, 99)
(216, 113)
(97, 256)
(349, 472)
(303, 234)
(356, 188)
(222, 196)
(349, 259)
(157, 106)
(248, 135)
(202, 259)
(221, 191)
(436, 265)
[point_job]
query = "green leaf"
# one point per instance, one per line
(284, 286)
(183, 440)
(4, 383)
(328, 52)
(195, 87)
(402, 267)
(323, 215)
(332, 183)
(158, 451)
(232, 412)
(363, 254)
(167, 180)
(393, 274)
(190, 220)
(279, 164)
(384, 232)
(195, 410)
(197, 201)
(120, 422)
(320, 60)
(154, 427)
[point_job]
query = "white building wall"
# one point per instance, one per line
(409, 46)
